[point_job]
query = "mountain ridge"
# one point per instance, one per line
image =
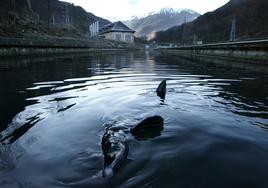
(165, 18)
(57, 18)
(251, 22)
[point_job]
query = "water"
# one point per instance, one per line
(54, 113)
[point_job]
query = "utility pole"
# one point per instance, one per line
(14, 11)
(67, 21)
(194, 41)
(29, 2)
(14, 5)
(233, 30)
(53, 19)
(182, 32)
(48, 14)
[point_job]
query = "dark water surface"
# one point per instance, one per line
(53, 116)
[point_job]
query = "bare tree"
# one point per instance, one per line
(67, 15)
(29, 3)
(14, 5)
(48, 13)
(14, 11)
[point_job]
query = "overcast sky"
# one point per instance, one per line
(124, 9)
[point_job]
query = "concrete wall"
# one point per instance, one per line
(256, 51)
(14, 47)
(109, 36)
(16, 51)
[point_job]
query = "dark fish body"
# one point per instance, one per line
(115, 148)
(154, 121)
(161, 89)
(148, 128)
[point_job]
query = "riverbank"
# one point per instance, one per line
(57, 45)
(217, 61)
(247, 51)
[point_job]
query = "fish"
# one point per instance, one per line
(148, 128)
(115, 151)
(161, 89)
(115, 148)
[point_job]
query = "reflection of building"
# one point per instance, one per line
(117, 31)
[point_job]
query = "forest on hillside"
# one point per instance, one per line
(251, 23)
(53, 17)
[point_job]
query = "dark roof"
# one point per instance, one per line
(116, 26)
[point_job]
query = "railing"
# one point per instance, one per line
(246, 44)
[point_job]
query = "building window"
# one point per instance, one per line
(128, 38)
(118, 37)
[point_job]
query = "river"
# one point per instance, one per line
(54, 112)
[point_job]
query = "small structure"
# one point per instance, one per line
(233, 30)
(94, 29)
(117, 31)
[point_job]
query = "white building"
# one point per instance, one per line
(94, 29)
(117, 31)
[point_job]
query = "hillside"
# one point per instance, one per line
(37, 17)
(251, 18)
(162, 20)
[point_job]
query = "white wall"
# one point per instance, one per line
(120, 36)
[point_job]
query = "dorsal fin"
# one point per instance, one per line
(161, 89)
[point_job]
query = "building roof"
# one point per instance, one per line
(116, 26)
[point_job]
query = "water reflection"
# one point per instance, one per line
(57, 110)
(19, 130)
(10, 156)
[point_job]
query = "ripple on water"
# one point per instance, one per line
(211, 131)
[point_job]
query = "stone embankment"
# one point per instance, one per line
(249, 51)
(56, 45)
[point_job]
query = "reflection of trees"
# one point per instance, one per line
(54, 69)
(242, 106)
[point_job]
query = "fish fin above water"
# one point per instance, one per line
(161, 89)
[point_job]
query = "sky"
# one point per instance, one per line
(124, 9)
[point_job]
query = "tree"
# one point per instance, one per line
(14, 10)
(48, 13)
(29, 3)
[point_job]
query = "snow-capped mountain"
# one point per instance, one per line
(165, 18)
